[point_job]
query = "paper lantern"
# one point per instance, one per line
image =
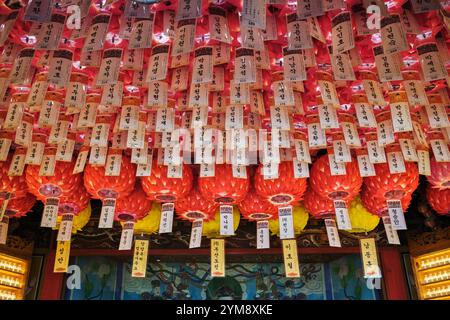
(62, 183)
(341, 187)
(211, 228)
(361, 219)
(18, 207)
(378, 206)
(102, 187)
(440, 174)
(386, 185)
(161, 188)
(79, 221)
(439, 200)
(75, 202)
(223, 188)
(300, 220)
(133, 207)
(318, 207)
(194, 206)
(255, 207)
(149, 224)
(15, 186)
(284, 190)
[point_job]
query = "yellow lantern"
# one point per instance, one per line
(150, 223)
(361, 219)
(79, 221)
(211, 228)
(300, 219)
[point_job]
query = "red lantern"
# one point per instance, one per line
(284, 190)
(161, 188)
(392, 186)
(18, 207)
(378, 206)
(133, 207)
(223, 188)
(194, 206)
(342, 187)
(15, 186)
(440, 174)
(317, 206)
(62, 183)
(255, 207)
(75, 202)
(111, 187)
(439, 200)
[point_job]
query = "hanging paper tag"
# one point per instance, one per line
(65, 228)
(58, 133)
(408, 150)
(81, 160)
(437, 116)
(48, 163)
(196, 234)
(286, 223)
(372, 89)
(113, 163)
(350, 131)
(388, 65)
(342, 33)
(144, 170)
(262, 235)
(393, 37)
(37, 95)
(370, 258)
(110, 67)
(341, 151)
(327, 90)
(252, 38)
(424, 161)
(226, 221)
(97, 32)
(440, 149)
(4, 222)
(21, 66)
(385, 130)
(391, 234)
(365, 115)
(401, 118)
(141, 35)
(133, 60)
(342, 217)
(198, 95)
(218, 24)
(291, 266)
(50, 213)
(7, 25)
(62, 256)
(166, 222)
(414, 88)
(301, 169)
(336, 169)
(5, 145)
(140, 255)
(202, 71)
(64, 151)
(309, 8)
(366, 167)
(17, 163)
(396, 162)
(396, 214)
(126, 238)
(302, 150)
(298, 33)
(35, 153)
(50, 33)
(245, 66)
(98, 155)
(217, 258)
(332, 233)
(239, 93)
(316, 136)
(107, 214)
(112, 95)
(184, 37)
(293, 65)
(432, 66)
(38, 11)
(157, 66)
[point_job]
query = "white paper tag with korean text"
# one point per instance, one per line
(65, 228)
(396, 214)
(391, 233)
(396, 162)
(50, 213)
(262, 235)
(106, 220)
(286, 223)
(126, 238)
(336, 169)
(332, 233)
(342, 217)
(195, 240)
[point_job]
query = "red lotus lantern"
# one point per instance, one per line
(75, 202)
(133, 207)
(18, 207)
(318, 207)
(223, 188)
(195, 207)
(392, 186)
(440, 174)
(161, 188)
(62, 183)
(335, 187)
(379, 206)
(255, 207)
(109, 188)
(284, 190)
(439, 200)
